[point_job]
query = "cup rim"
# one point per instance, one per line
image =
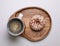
(20, 31)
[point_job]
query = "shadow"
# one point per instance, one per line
(12, 38)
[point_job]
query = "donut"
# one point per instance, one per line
(37, 22)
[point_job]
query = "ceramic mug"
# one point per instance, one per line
(15, 26)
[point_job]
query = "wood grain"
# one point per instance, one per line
(28, 32)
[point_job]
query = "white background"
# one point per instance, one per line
(8, 7)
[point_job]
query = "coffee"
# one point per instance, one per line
(15, 26)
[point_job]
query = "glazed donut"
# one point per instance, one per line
(37, 22)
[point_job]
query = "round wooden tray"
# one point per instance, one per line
(27, 14)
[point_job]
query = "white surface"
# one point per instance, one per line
(8, 7)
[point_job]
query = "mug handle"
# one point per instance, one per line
(20, 16)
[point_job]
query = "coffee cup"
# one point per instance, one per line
(15, 26)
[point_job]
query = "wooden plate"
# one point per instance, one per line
(27, 14)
